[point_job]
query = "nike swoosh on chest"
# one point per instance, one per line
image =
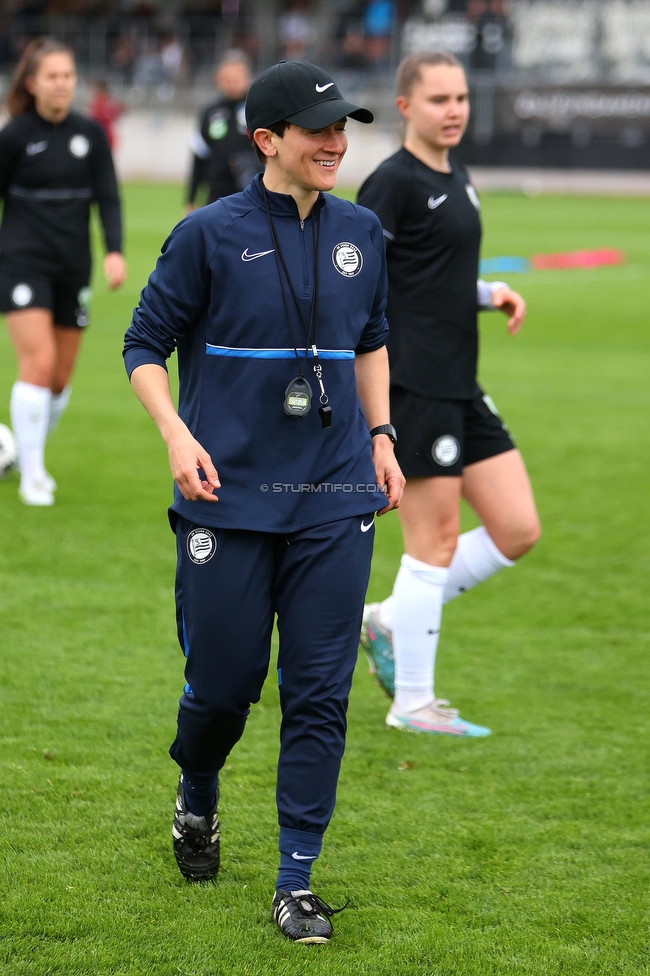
(434, 202)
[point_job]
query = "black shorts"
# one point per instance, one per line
(441, 437)
(68, 298)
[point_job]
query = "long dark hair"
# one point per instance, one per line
(19, 100)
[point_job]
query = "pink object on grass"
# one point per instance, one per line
(577, 259)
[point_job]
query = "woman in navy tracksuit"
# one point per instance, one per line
(274, 299)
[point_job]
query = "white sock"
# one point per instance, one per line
(416, 613)
(476, 559)
(58, 403)
(30, 410)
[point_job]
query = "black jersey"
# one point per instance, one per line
(433, 235)
(50, 173)
(223, 153)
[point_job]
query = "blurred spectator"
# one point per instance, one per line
(29, 8)
(354, 49)
(123, 55)
(106, 110)
(490, 19)
(379, 21)
(229, 9)
(5, 44)
(148, 66)
(295, 31)
(223, 157)
(172, 56)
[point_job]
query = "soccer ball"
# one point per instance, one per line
(8, 450)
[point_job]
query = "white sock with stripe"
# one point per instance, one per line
(416, 614)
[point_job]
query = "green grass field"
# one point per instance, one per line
(524, 853)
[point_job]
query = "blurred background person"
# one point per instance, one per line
(295, 31)
(53, 164)
(105, 110)
(172, 56)
(379, 23)
(222, 155)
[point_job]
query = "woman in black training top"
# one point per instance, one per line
(53, 165)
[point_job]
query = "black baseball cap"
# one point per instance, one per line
(300, 93)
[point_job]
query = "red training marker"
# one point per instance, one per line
(577, 259)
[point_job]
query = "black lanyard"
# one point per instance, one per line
(325, 411)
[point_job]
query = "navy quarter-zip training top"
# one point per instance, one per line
(215, 296)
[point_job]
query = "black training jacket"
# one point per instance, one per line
(49, 176)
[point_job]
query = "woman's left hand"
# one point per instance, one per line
(513, 305)
(114, 269)
(388, 472)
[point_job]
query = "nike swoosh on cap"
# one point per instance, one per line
(322, 88)
(434, 202)
(303, 857)
(365, 528)
(245, 256)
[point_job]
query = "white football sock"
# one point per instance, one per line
(58, 403)
(416, 613)
(476, 559)
(386, 613)
(30, 410)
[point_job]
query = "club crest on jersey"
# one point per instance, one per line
(473, 195)
(347, 259)
(201, 546)
(79, 146)
(22, 295)
(446, 450)
(218, 127)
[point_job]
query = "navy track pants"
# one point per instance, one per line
(229, 585)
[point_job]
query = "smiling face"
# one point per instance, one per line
(306, 160)
(437, 109)
(53, 85)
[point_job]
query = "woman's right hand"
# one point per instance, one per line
(186, 456)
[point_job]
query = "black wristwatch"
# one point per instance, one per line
(385, 429)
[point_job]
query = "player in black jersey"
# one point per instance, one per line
(222, 154)
(451, 440)
(53, 164)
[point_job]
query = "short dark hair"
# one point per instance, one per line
(278, 129)
(408, 72)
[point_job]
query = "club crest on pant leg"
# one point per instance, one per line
(201, 545)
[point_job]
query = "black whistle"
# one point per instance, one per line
(325, 416)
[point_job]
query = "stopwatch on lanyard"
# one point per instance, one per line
(298, 394)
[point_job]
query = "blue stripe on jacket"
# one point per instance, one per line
(241, 352)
